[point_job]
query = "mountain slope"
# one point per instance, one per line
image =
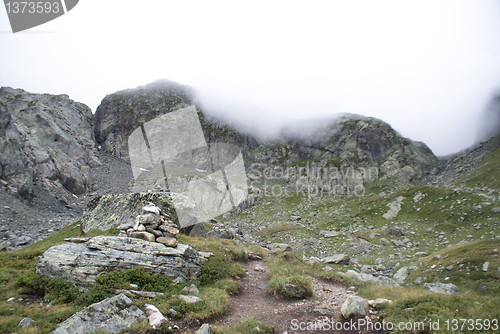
(352, 140)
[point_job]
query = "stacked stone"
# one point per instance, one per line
(152, 225)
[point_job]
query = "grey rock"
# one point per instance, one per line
(329, 234)
(486, 265)
(421, 254)
(354, 307)
(155, 317)
(385, 241)
(82, 263)
(190, 299)
(77, 240)
(394, 208)
(192, 290)
(401, 275)
(150, 220)
(495, 210)
(151, 208)
(368, 278)
(108, 211)
(45, 140)
(25, 322)
(279, 247)
(156, 233)
(169, 242)
(143, 235)
(418, 281)
(220, 233)
(450, 267)
(399, 243)
(204, 329)
(142, 294)
(125, 226)
(200, 230)
(337, 259)
(111, 315)
(23, 240)
(395, 231)
(447, 288)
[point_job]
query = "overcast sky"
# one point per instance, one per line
(428, 68)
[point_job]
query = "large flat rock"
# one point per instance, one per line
(111, 315)
(83, 262)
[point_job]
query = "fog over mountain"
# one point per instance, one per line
(429, 67)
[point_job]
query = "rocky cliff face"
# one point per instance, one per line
(121, 113)
(46, 141)
(352, 140)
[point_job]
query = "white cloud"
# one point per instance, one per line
(426, 67)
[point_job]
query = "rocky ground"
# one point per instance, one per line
(24, 222)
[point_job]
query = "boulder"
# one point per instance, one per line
(368, 278)
(354, 307)
(190, 299)
(121, 210)
(142, 235)
(402, 274)
(329, 234)
(83, 262)
(337, 259)
(200, 230)
(111, 315)
(447, 288)
(379, 301)
(204, 329)
(155, 317)
(192, 289)
(279, 247)
(220, 233)
(26, 322)
(169, 242)
(395, 231)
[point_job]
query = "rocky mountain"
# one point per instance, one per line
(351, 140)
(46, 142)
(122, 112)
(54, 150)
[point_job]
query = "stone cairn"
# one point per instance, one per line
(152, 225)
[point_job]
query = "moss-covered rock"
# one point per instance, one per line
(109, 211)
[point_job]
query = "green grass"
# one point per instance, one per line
(286, 269)
(18, 278)
(479, 291)
(419, 305)
(467, 261)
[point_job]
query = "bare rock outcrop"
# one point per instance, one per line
(83, 262)
(46, 141)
